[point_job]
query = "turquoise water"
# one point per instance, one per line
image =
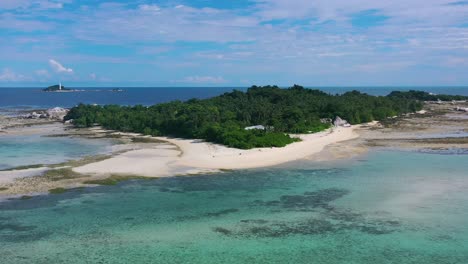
(37, 149)
(388, 207)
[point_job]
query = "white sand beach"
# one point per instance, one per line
(196, 156)
(212, 156)
(171, 157)
(157, 161)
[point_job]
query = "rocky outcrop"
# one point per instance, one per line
(461, 109)
(56, 113)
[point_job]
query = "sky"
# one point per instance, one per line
(233, 43)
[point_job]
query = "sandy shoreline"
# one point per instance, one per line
(196, 156)
(211, 156)
(170, 157)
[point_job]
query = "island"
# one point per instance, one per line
(261, 117)
(57, 88)
(254, 128)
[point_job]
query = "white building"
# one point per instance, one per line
(258, 127)
(340, 122)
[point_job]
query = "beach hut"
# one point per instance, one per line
(257, 127)
(340, 122)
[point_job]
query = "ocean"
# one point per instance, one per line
(386, 207)
(381, 207)
(13, 100)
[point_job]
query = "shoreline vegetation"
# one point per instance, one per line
(150, 157)
(261, 117)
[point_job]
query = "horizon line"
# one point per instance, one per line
(280, 86)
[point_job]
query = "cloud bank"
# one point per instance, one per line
(202, 80)
(322, 42)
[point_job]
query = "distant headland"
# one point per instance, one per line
(57, 88)
(60, 88)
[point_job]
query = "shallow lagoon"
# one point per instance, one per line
(39, 149)
(388, 207)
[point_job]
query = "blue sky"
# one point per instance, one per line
(233, 42)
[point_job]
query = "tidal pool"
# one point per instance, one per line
(39, 149)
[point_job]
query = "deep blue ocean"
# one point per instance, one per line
(14, 99)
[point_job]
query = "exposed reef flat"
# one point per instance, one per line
(441, 127)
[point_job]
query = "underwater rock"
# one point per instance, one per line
(222, 212)
(223, 231)
(326, 218)
(16, 228)
(308, 200)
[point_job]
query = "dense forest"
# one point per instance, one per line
(222, 119)
(425, 96)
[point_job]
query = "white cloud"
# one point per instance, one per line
(96, 78)
(456, 62)
(153, 50)
(8, 75)
(59, 68)
(425, 11)
(151, 8)
(384, 66)
(22, 23)
(202, 79)
(43, 73)
(332, 54)
(13, 4)
(306, 37)
(39, 4)
(183, 23)
(50, 5)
